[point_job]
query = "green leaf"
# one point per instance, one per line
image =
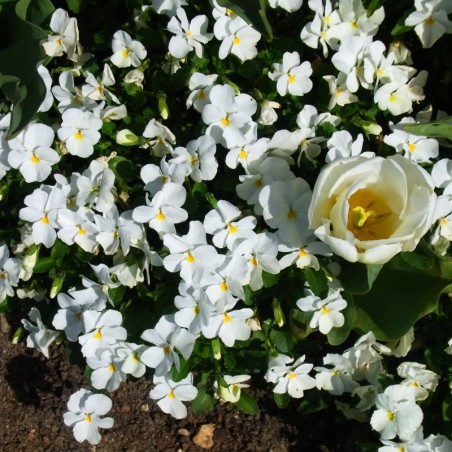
(44, 264)
(247, 404)
(338, 335)
(19, 78)
(123, 169)
(117, 295)
(439, 129)
(269, 279)
(282, 340)
(281, 400)
(252, 12)
(35, 11)
(203, 402)
(75, 5)
(317, 281)
(399, 297)
(59, 250)
(358, 278)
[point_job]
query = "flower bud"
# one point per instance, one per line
(126, 137)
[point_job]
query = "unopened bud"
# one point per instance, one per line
(278, 313)
(163, 106)
(126, 137)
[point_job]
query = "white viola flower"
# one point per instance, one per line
(260, 253)
(362, 222)
(104, 329)
(135, 76)
(130, 355)
(438, 443)
(430, 20)
(161, 138)
(107, 370)
(102, 273)
(42, 209)
(377, 67)
(128, 274)
(4, 144)
(356, 21)
(223, 225)
(397, 413)
(327, 313)
(268, 115)
(47, 103)
(417, 377)
(231, 390)
(303, 254)
(164, 210)
(415, 147)
(189, 36)
(401, 51)
(126, 51)
(238, 38)
(189, 254)
(84, 415)
(289, 5)
(291, 76)
(66, 35)
(394, 96)
(200, 86)
(32, 154)
(342, 145)
(167, 336)
(168, 7)
(198, 158)
(338, 379)
(95, 90)
(442, 175)
(292, 379)
(10, 268)
(70, 96)
(39, 337)
(156, 177)
(194, 309)
(78, 227)
(415, 444)
(285, 208)
(96, 187)
(227, 324)
(442, 234)
(228, 116)
(170, 394)
(319, 30)
(340, 94)
(79, 131)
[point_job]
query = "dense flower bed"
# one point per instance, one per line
(212, 193)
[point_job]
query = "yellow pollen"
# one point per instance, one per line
(98, 335)
(292, 375)
(369, 217)
(291, 214)
(325, 310)
(201, 95)
(78, 135)
(392, 97)
(112, 368)
(3, 275)
(45, 220)
(171, 395)
(390, 415)
(232, 229)
(167, 349)
(411, 147)
(125, 53)
(302, 252)
(81, 231)
(253, 261)
(189, 258)
(35, 159)
(88, 418)
(236, 40)
(225, 121)
(196, 310)
(430, 21)
(224, 286)
(291, 77)
(354, 25)
(243, 154)
(226, 317)
(160, 215)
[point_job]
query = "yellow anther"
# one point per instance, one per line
(196, 310)
(116, 234)
(302, 252)
(360, 216)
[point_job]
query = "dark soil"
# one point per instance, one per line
(34, 391)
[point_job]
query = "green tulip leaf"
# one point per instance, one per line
(438, 129)
(35, 11)
(358, 278)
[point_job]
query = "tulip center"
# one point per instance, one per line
(369, 217)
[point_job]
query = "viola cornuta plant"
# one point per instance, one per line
(227, 194)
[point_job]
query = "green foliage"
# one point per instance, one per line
(247, 404)
(203, 403)
(441, 128)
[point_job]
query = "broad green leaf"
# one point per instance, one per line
(281, 400)
(35, 11)
(122, 168)
(317, 281)
(439, 129)
(44, 264)
(252, 12)
(282, 340)
(247, 404)
(27, 90)
(203, 403)
(358, 278)
(269, 279)
(399, 297)
(75, 5)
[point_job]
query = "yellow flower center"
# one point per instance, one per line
(232, 229)
(411, 147)
(292, 375)
(189, 34)
(325, 310)
(201, 95)
(167, 349)
(302, 252)
(98, 335)
(291, 214)
(243, 154)
(3, 275)
(115, 234)
(291, 77)
(236, 40)
(253, 261)
(379, 72)
(125, 53)
(224, 286)
(443, 221)
(88, 418)
(196, 310)
(171, 395)
(369, 217)
(78, 135)
(338, 92)
(78, 315)
(112, 367)
(392, 97)
(258, 183)
(189, 258)
(34, 158)
(45, 220)
(327, 19)
(354, 25)
(81, 231)
(58, 41)
(225, 121)
(430, 21)
(160, 215)
(226, 317)
(390, 415)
